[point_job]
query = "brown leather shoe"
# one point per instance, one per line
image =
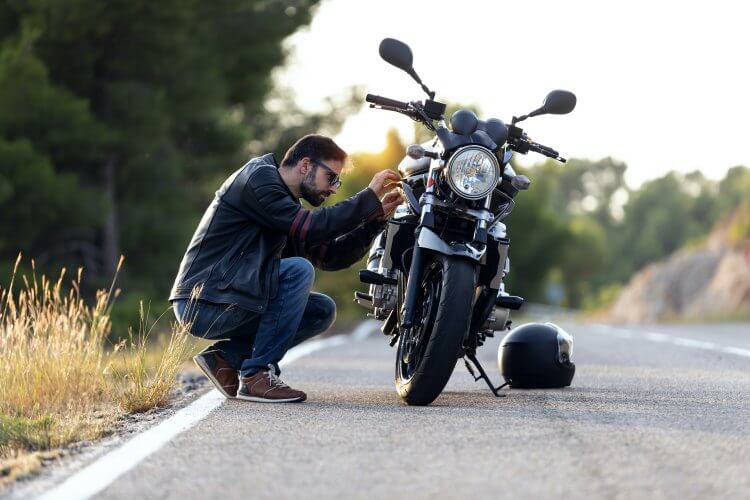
(267, 387)
(218, 371)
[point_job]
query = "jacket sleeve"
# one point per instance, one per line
(267, 201)
(345, 250)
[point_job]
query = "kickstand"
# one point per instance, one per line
(482, 375)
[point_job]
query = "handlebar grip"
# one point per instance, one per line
(550, 152)
(385, 101)
(545, 150)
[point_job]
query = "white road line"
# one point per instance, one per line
(737, 350)
(698, 344)
(95, 477)
(616, 332)
(668, 339)
(656, 337)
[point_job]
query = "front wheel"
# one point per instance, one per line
(427, 353)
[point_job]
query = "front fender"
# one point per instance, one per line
(429, 239)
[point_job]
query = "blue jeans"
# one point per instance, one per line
(251, 341)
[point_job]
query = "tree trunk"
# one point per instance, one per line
(111, 244)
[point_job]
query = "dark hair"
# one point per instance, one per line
(313, 146)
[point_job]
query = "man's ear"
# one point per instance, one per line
(304, 165)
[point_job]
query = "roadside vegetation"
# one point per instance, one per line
(60, 380)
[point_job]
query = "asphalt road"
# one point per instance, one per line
(645, 417)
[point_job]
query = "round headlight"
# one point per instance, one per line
(473, 172)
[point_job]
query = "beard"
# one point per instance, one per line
(310, 192)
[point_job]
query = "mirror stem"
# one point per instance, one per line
(414, 75)
(534, 113)
(429, 92)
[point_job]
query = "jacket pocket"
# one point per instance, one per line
(247, 278)
(231, 270)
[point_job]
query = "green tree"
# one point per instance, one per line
(734, 188)
(656, 223)
(560, 224)
(581, 258)
(45, 207)
(582, 187)
(537, 235)
(124, 112)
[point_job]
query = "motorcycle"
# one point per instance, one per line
(435, 274)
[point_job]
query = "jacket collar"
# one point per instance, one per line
(270, 159)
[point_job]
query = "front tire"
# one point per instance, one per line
(425, 358)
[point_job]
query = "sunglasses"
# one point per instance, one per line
(333, 177)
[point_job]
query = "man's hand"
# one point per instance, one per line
(390, 201)
(378, 182)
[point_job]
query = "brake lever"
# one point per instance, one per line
(410, 113)
(425, 119)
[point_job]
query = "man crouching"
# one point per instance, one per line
(251, 263)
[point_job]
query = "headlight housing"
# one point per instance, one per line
(473, 172)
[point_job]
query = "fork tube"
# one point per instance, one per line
(427, 219)
(412, 286)
(480, 231)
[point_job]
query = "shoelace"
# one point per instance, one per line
(274, 379)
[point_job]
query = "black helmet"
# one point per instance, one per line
(537, 355)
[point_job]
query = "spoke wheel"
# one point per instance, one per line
(415, 339)
(427, 353)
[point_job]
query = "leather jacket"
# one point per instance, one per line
(253, 221)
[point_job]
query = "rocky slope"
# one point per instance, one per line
(708, 282)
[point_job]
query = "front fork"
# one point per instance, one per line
(412, 286)
(427, 220)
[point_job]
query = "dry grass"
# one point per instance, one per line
(143, 382)
(53, 363)
(57, 383)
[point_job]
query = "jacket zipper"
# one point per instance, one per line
(231, 265)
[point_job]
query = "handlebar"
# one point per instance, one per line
(414, 110)
(518, 139)
(385, 101)
(520, 142)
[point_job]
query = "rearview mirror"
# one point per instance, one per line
(557, 102)
(397, 53)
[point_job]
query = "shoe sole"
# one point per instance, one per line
(266, 400)
(207, 372)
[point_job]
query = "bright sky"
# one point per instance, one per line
(660, 85)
